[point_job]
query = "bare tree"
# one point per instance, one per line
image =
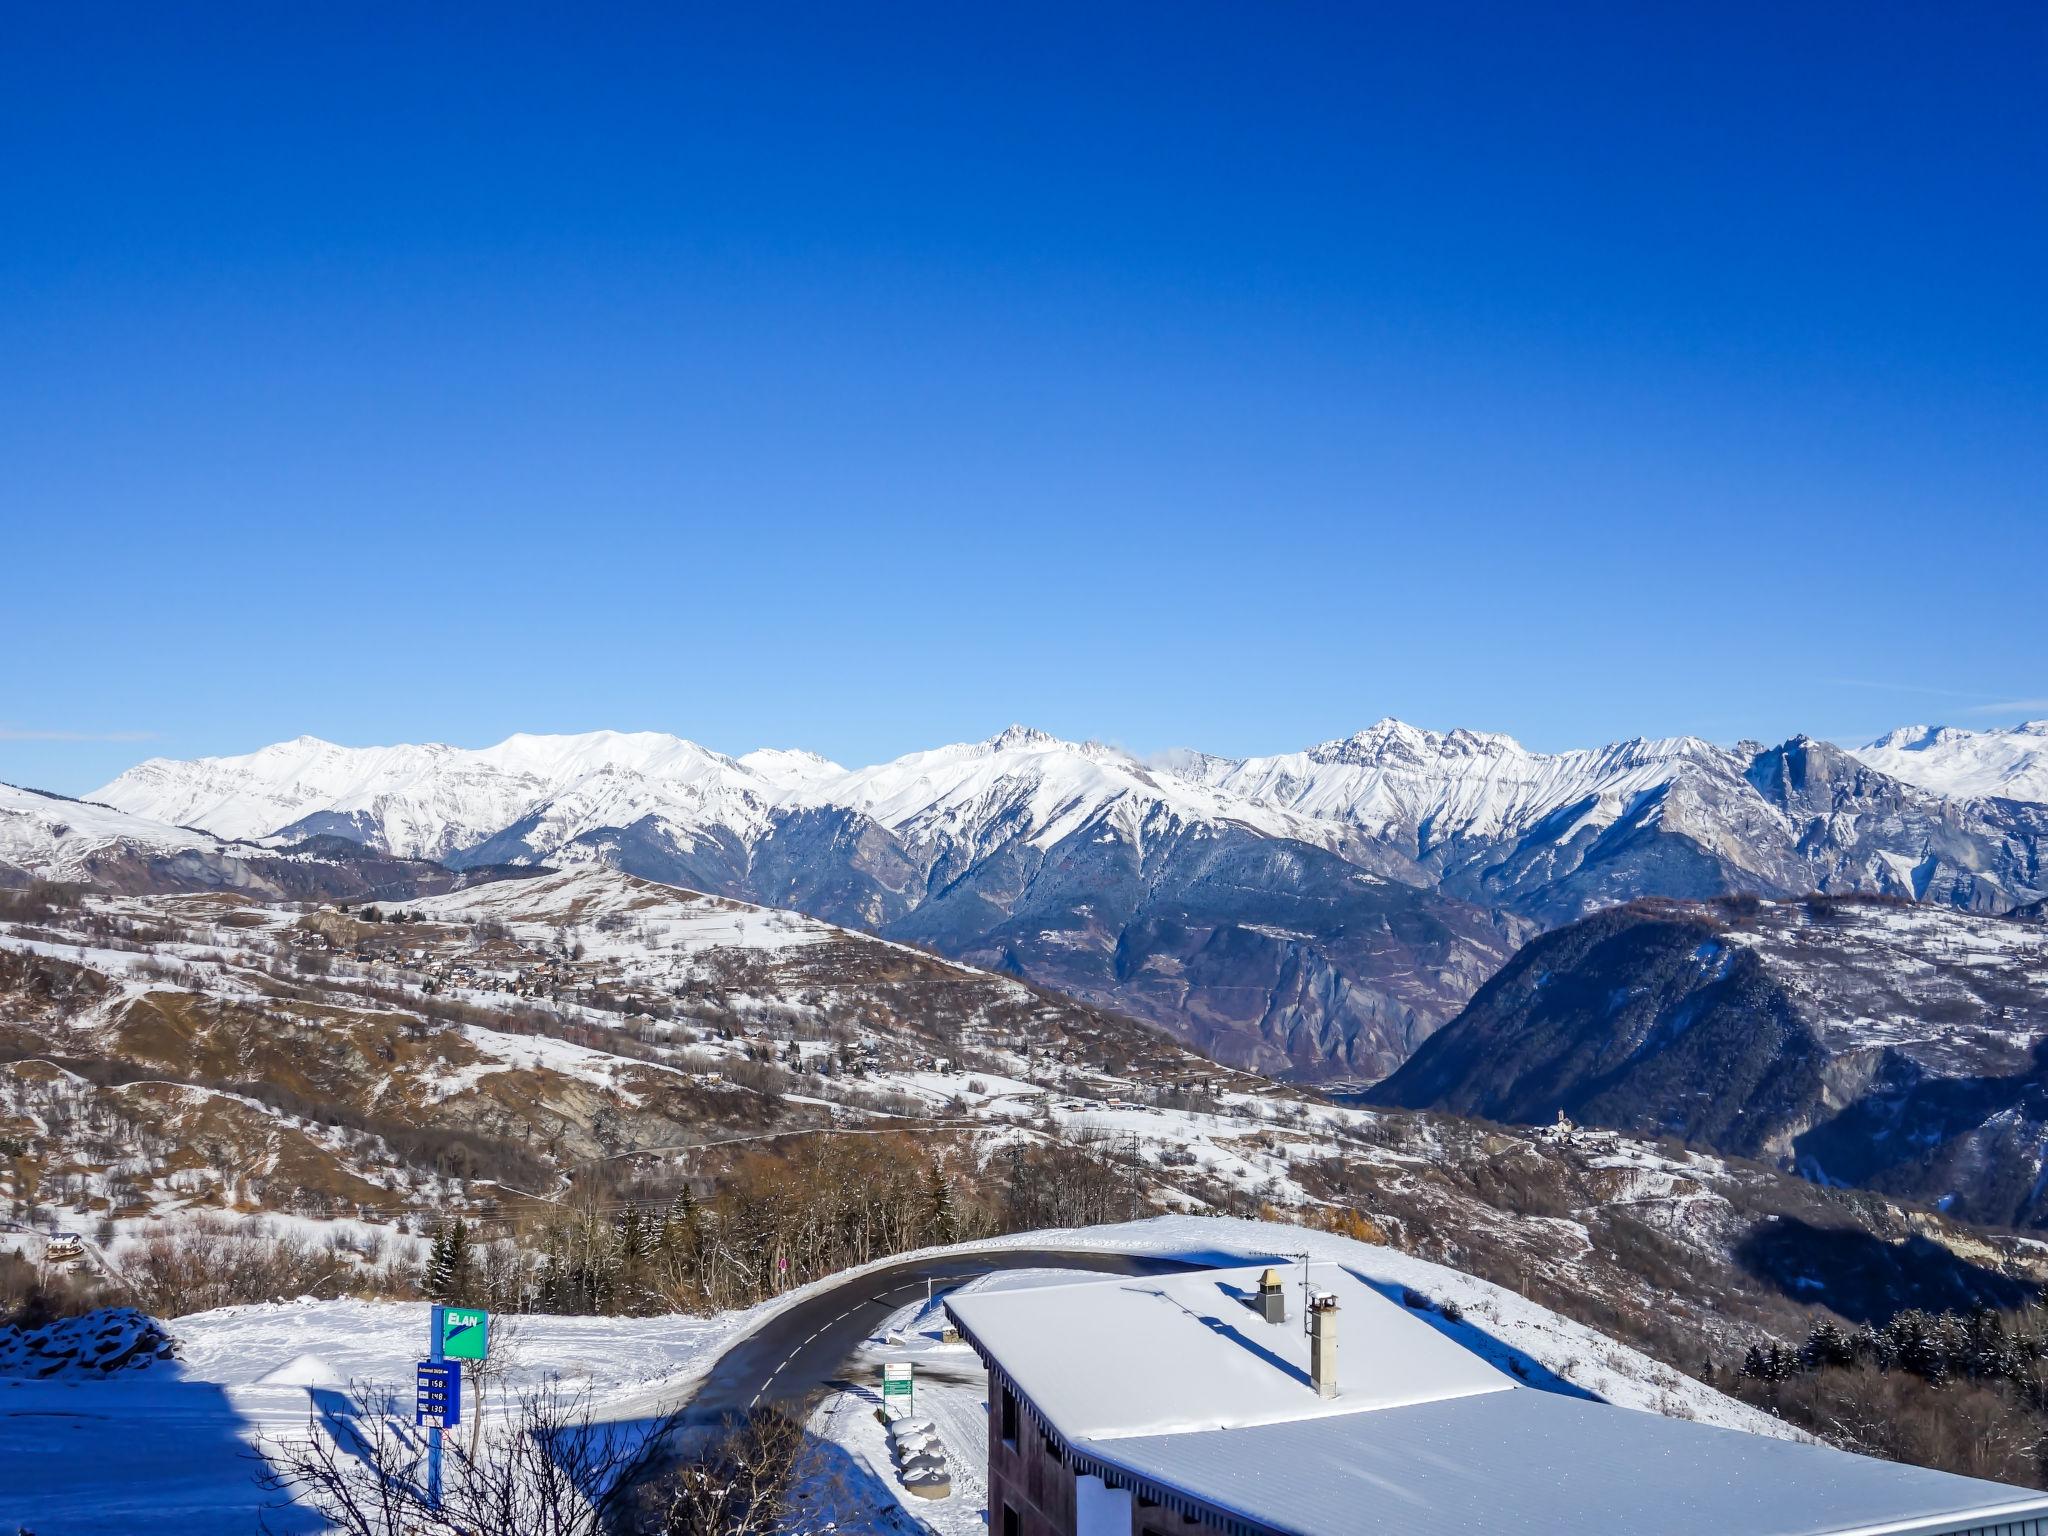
(549, 1468)
(740, 1483)
(487, 1378)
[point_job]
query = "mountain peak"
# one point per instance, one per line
(1909, 738)
(1020, 737)
(789, 768)
(1388, 740)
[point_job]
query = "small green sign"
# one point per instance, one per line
(896, 1382)
(465, 1333)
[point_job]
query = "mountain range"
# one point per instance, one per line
(1317, 913)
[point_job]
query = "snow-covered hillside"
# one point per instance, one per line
(49, 837)
(1240, 925)
(437, 801)
(57, 839)
(2012, 763)
(1867, 1042)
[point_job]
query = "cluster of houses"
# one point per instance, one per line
(1564, 1133)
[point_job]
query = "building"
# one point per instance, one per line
(1217, 1403)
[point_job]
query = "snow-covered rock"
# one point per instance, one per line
(98, 1343)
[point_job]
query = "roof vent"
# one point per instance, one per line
(1271, 1300)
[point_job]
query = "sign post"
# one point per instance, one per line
(454, 1334)
(437, 1403)
(897, 1388)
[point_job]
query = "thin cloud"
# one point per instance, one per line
(1938, 693)
(2009, 707)
(10, 733)
(1977, 706)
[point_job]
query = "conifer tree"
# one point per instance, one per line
(941, 1226)
(449, 1264)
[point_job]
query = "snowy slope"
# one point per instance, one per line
(1870, 1043)
(2012, 763)
(789, 769)
(56, 838)
(433, 801)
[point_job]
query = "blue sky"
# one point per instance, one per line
(863, 378)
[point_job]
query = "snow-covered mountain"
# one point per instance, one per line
(54, 838)
(436, 802)
(442, 802)
(1244, 926)
(1320, 911)
(51, 837)
(2011, 763)
(1553, 836)
(1419, 788)
(957, 802)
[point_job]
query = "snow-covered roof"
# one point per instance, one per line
(1173, 1353)
(1529, 1463)
(1174, 1387)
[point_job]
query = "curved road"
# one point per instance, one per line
(803, 1348)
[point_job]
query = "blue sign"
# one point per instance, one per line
(437, 1394)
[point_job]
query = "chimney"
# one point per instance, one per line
(1322, 1344)
(1271, 1301)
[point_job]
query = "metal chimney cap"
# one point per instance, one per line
(1270, 1280)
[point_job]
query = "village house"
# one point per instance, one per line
(1213, 1403)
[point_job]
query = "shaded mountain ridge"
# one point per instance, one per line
(1898, 1047)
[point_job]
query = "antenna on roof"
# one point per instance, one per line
(1308, 1292)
